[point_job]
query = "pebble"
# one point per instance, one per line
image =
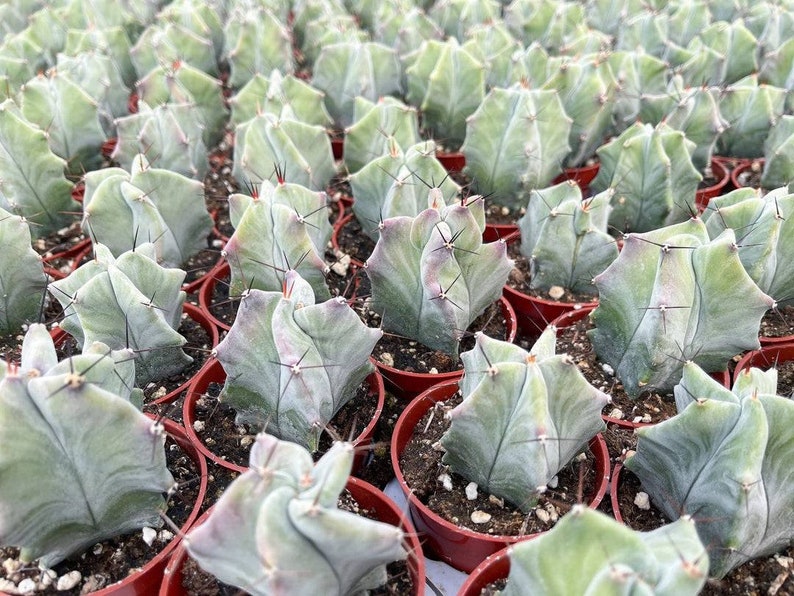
(642, 501)
(7, 586)
(165, 536)
(494, 500)
(480, 517)
(433, 371)
(10, 566)
(471, 491)
(387, 359)
(68, 581)
(26, 586)
(341, 266)
(246, 441)
(149, 534)
(198, 426)
(552, 511)
(542, 515)
(556, 292)
(608, 369)
(616, 413)
(554, 482)
(446, 481)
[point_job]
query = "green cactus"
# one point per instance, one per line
(330, 29)
(523, 417)
(648, 30)
(447, 83)
(98, 463)
(32, 179)
(549, 22)
(638, 76)
(457, 17)
(723, 53)
(724, 460)
(662, 302)
(267, 143)
(112, 42)
(344, 71)
(697, 115)
(650, 172)
(127, 303)
(432, 276)
(766, 243)
(286, 370)
(405, 31)
(169, 42)
(376, 126)
(400, 183)
(516, 140)
(566, 238)
(22, 278)
(282, 226)
(277, 528)
(97, 75)
(587, 552)
(305, 12)
(779, 154)
(493, 45)
(205, 19)
(150, 204)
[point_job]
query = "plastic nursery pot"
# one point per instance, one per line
(108, 147)
(337, 230)
(613, 492)
(213, 372)
(534, 314)
(368, 497)
(723, 176)
(583, 176)
(741, 174)
(147, 579)
(60, 261)
(452, 161)
(215, 275)
(492, 569)
(495, 232)
(407, 385)
(337, 147)
(460, 547)
(767, 357)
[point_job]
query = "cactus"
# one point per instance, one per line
(181, 83)
(662, 302)
(285, 96)
(70, 117)
(286, 369)
(170, 135)
(32, 180)
(127, 303)
(308, 11)
(638, 76)
(457, 17)
(22, 278)
(751, 110)
(98, 76)
(46, 29)
(494, 46)
(283, 225)
(267, 143)
(723, 53)
(406, 31)
(97, 462)
(587, 552)
(447, 83)
(277, 528)
(649, 31)
(330, 29)
(432, 276)
(112, 42)
(766, 243)
(548, 22)
(690, 19)
(777, 68)
(697, 115)
(723, 459)
(523, 417)
(516, 140)
(400, 184)
(374, 127)
(205, 19)
(256, 41)
(650, 171)
(344, 71)
(609, 15)
(587, 89)
(156, 205)
(169, 42)
(779, 154)
(566, 238)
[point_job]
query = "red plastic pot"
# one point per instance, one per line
(132, 103)
(109, 146)
(452, 161)
(368, 497)
(723, 176)
(535, 314)
(213, 372)
(495, 232)
(407, 385)
(69, 256)
(767, 357)
(583, 176)
(747, 166)
(219, 273)
(338, 147)
(462, 548)
(337, 229)
(492, 569)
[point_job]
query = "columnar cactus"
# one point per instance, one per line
(344, 71)
(97, 462)
(587, 552)
(286, 369)
(523, 417)
(650, 172)
(283, 226)
(566, 238)
(32, 180)
(374, 126)
(766, 245)
(495, 47)
(697, 115)
(285, 96)
(548, 22)
(779, 154)
(723, 53)
(171, 136)
(278, 529)
(111, 41)
(97, 75)
(169, 42)
(22, 278)
(406, 31)
(662, 302)
(205, 19)
(327, 30)
(147, 204)
(127, 303)
(267, 143)
(447, 83)
(432, 276)
(638, 75)
(516, 140)
(400, 183)
(724, 460)
(457, 17)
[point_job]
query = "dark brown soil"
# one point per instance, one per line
(112, 560)
(353, 241)
(751, 177)
(421, 465)
(778, 322)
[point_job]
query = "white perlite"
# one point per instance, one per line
(642, 501)
(198, 426)
(446, 481)
(387, 359)
(149, 534)
(471, 491)
(556, 292)
(68, 580)
(616, 413)
(480, 517)
(26, 586)
(542, 515)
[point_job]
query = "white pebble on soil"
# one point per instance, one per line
(616, 413)
(198, 426)
(446, 481)
(387, 359)
(542, 515)
(556, 292)
(480, 517)
(26, 586)
(471, 491)
(642, 501)
(149, 534)
(68, 581)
